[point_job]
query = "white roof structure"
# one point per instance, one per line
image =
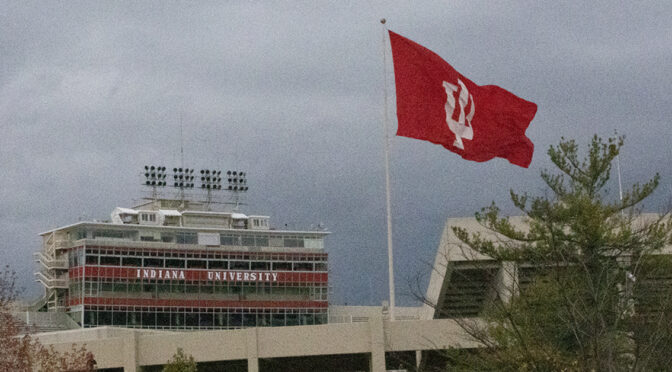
(170, 212)
(121, 210)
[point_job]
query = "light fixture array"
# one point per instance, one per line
(155, 175)
(183, 178)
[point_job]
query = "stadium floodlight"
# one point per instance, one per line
(182, 178)
(155, 176)
(236, 180)
(209, 179)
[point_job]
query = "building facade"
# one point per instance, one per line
(176, 264)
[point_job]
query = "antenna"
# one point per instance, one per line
(181, 143)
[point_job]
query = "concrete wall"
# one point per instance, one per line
(128, 348)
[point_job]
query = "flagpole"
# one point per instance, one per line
(390, 258)
(620, 185)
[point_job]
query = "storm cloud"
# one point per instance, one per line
(292, 92)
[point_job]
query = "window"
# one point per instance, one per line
(239, 265)
(275, 241)
(260, 265)
(205, 320)
(108, 234)
(148, 217)
(196, 264)
(247, 240)
(153, 262)
(163, 320)
(207, 289)
(163, 286)
(90, 318)
(121, 286)
(227, 239)
(109, 260)
(186, 238)
(314, 243)
(293, 241)
(175, 263)
(177, 286)
(167, 238)
(192, 287)
(303, 266)
(292, 319)
(249, 320)
(236, 320)
(148, 320)
(119, 318)
(218, 264)
(149, 287)
(135, 286)
(177, 320)
(131, 261)
(278, 319)
(282, 266)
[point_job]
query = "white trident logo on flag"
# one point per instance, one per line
(461, 128)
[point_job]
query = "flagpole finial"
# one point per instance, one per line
(383, 20)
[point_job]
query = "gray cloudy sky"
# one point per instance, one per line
(292, 92)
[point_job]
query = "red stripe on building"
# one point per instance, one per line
(228, 276)
(153, 302)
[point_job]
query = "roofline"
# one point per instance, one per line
(135, 226)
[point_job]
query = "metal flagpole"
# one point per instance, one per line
(620, 186)
(390, 258)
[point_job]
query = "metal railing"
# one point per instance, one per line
(49, 281)
(50, 263)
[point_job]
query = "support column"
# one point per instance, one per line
(507, 281)
(377, 343)
(252, 349)
(130, 351)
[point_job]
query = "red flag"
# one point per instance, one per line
(438, 104)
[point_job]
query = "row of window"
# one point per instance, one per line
(209, 310)
(203, 264)
(204, 290)
(163, 253)
(190, 237)
(199, 320)
(76, 256)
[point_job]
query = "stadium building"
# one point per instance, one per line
(175, 263)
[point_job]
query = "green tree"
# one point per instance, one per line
(180, 363)
(599, 297)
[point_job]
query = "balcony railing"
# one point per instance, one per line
(48, 281)
(50, 263)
